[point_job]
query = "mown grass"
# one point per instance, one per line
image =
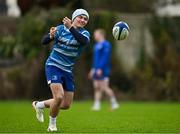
(131, 117)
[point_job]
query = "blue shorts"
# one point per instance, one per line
(102, 77)
(56, 75)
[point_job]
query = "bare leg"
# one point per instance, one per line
(97, 91)
(58, 94)
(105, 87)
(54, 105)
(48, 102)
(109, 92)
(66, 102)
(97, 95)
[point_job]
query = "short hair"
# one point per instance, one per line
(101, 31)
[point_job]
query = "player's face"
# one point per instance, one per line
(80, 21)
(97, 35)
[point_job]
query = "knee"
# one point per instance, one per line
(58, 98)
(97, 88)
(57, 91)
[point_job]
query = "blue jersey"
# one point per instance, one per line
(66, 48)
(101, 57)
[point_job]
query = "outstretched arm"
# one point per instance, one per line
(46, 39)
(49, 37)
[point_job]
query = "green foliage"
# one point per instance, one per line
(8, 45)
(160, 77)
(31, 28)
(166, 33)
(29, 34)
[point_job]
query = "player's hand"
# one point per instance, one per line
(52, 32)
(67, 22)
(90, 74)
(99, 72)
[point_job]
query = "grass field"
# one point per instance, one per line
(138, 117)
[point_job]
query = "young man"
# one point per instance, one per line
(69, 40)
(101, 70)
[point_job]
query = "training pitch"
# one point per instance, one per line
(131, 117)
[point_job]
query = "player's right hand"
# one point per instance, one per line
(52, 32)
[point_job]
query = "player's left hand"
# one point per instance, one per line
(99, 72)
(67, 22)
